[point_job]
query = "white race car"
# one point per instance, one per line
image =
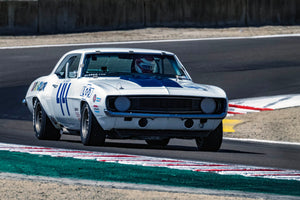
(126, 93)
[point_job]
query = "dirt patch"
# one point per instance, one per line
(28, 189)
(278, 125)
(145, 34)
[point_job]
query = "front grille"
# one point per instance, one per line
(169, 105)
(164, 104)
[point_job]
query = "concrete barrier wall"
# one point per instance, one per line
(86, 15)
(61, 16)
(212, 13)
(264, 12)
(18, 17)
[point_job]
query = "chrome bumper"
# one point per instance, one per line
(153, 115)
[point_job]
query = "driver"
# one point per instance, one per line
(145, 65)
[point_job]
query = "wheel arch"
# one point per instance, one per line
(82, 102)
(34, 99)
(94, 134)
(52, 120)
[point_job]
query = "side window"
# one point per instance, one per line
(73, 61)
(73, 66)
(60, 71)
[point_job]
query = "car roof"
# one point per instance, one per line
(120, 50)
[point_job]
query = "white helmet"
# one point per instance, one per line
(145, 65)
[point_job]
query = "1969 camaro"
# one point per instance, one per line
(126, 93)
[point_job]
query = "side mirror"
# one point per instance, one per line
(73, 74)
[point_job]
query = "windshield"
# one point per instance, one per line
(116, 64)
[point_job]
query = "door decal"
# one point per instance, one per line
(61, 97)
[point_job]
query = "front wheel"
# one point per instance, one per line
(43, 128)
(90, 131)
(213, 141)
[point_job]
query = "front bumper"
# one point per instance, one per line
(148, 122)
(158, 115)
(150, 134)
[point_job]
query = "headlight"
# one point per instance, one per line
(122, 104)
(208, 105)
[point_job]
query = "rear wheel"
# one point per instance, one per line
(90, 131)
(44, 129)
(158, 142)
(213, 141)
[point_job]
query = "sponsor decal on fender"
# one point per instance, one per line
(38, 86)
(87, 91)
(96, 109)
(96, 99)
(77, 113)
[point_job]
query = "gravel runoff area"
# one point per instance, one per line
(145, 34)
(278, 125)
(33, 188)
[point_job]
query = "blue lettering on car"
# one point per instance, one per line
(62, 97)
(87, 91)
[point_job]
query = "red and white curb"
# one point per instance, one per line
(243, 106)
(225, 169)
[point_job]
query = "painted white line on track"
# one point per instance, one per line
(268, 103)
(272, 102)
(152, 41)
(262, 141)
(197, 166)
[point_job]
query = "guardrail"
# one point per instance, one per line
(62, 16)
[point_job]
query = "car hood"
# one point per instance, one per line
(153, 86)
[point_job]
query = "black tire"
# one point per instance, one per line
(43, 127)
(213, 141)
(159, 142)
(90, 131)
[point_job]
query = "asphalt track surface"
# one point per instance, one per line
(242, 67)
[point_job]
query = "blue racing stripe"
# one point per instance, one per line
(61, 98)
(57, 99)
(66, 99)
(152, 82)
